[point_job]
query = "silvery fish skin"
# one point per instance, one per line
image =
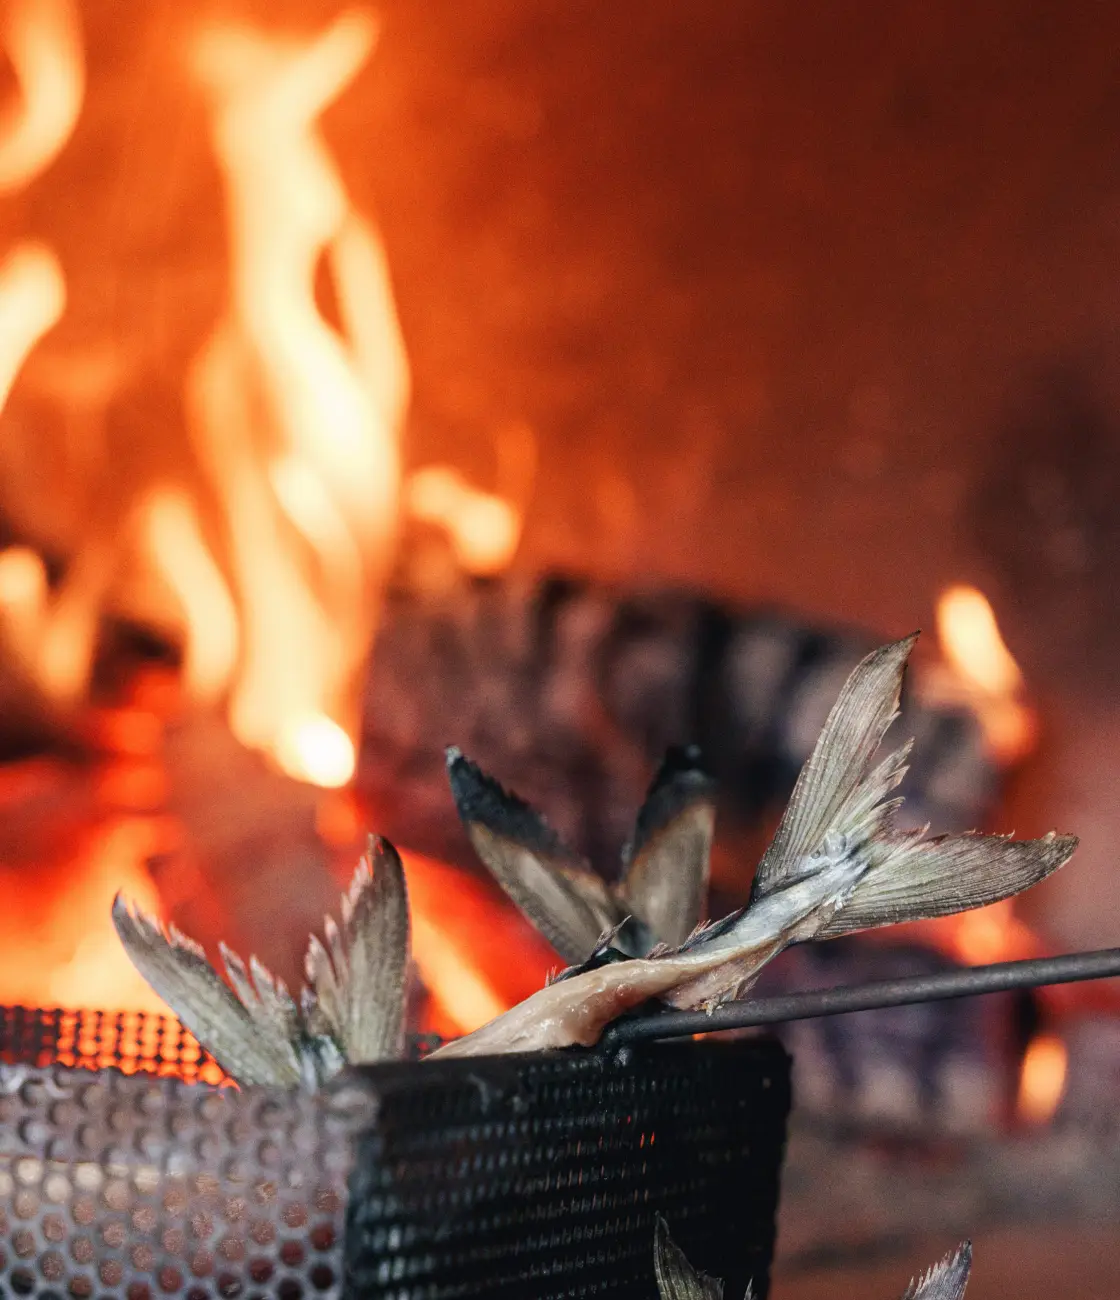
(836, 864)
(662, 892)
(351, 1011)
(678, 1280)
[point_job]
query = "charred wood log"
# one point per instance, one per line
(570, 691)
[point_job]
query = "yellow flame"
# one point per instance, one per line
(43, 41)
(308, 476)
(1043, 1078)
(179, 552)
(484, 530)
(463, 992)
(971, 641)
(32, 299)
(316, 750)
(985, 672)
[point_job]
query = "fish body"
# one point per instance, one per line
(575, 1009)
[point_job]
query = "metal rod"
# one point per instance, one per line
(966, 983)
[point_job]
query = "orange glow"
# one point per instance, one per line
(484, 530)
(43, 42)
(990, 934)
(1043, 1079)
(981, 672)
(474, 951)
(58, 942)
(452, 978)
(23, 598)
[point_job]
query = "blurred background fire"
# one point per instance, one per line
(366, 375)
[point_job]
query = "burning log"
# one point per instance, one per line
(577, 689)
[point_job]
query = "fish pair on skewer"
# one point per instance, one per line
(678, 1280)
(837, 864)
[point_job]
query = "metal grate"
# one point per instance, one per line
(532, 1176)
(130, 1041)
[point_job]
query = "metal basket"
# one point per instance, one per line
(527, 1176)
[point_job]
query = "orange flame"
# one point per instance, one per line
(983, 673)
(43, 41)
(484, 529)
(309, 476)
(1043, 1078)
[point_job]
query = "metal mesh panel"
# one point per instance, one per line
(540, 1176)
(129, 1040)
(532, 1176)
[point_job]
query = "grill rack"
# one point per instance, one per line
(124, 1174)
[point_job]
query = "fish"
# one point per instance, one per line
(350, 1011)
(661, 894)
(837, 864)
(945, 1281)
(678, 1280)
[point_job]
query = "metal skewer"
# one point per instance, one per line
(969, 982)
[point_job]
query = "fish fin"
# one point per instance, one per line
(555, 889)
(676, 1278)
(323, 996)
(275, 1005)
(245, 1040)
(665, 881)
(945, 1281)
(917, 879)
(375, 937)
(833, 794)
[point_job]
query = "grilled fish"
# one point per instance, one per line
(837, 864)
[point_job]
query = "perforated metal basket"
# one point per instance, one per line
(529, 1176)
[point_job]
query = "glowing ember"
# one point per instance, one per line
(1043, 1078)
(983, 673)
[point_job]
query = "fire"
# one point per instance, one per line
(1042, 1080)
(59, 946)
(43, 42)
(983, 672)
(316, 750)
(476, 954)
(308, 475)
(264, 553)
(484, 529)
